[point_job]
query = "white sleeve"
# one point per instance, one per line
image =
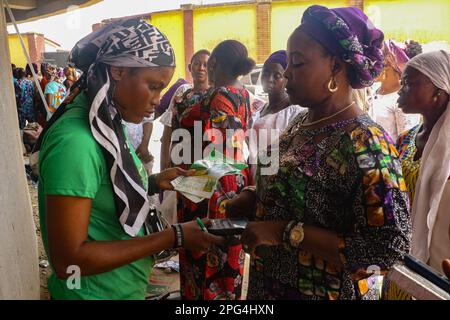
(287, 115)
(166, 117)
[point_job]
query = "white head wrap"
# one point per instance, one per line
(435, 162)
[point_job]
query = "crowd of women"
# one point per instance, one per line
(354, 191)
(32, 110)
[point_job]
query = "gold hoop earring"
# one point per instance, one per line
(334, 84)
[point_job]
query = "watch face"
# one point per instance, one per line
(296, 234)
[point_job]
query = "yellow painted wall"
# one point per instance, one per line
(16, 52)
(171, 24)
(423, 21)
(286, 16)
(214, 24)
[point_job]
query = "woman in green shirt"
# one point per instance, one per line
(93, 189)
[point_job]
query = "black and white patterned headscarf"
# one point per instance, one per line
(126, 43)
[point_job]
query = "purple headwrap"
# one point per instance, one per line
(279, 56)
(165, 99)
(349, 34)
(394, 56)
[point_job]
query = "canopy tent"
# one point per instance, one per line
(19, 271)
(29, 10)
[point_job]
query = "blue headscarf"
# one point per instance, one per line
(279, 57)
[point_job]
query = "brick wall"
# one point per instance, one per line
(36, 47)
(263, 31)
(188, 26)
(357, 3)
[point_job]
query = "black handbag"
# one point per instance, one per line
(154, 223)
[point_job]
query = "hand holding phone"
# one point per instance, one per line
(227, 227)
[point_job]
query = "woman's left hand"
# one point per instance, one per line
(269, 233)
(164, 178)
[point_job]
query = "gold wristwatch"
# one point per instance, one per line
(296, 235)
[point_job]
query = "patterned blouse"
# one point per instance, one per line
(187, 110)
(406, 146)
(217, 274)
(27, 99)
(349, 183)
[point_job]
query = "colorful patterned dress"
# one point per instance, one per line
(406, 146)
(218, 273)
(349, 183)
(27, 99)
(20, 113)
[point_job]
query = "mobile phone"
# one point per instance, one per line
(227, 227)
(427, 272)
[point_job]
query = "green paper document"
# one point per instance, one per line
(208, 172)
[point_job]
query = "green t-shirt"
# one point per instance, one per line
(72, 163)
